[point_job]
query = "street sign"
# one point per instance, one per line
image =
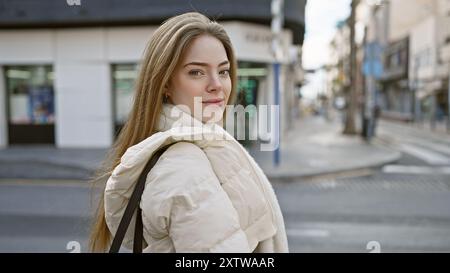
(373, 56)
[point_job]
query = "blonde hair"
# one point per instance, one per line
(162, 55)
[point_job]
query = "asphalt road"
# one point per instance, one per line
(404, 207)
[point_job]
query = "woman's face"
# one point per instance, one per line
(201, 82)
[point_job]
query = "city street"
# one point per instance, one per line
(402, 212)
(37, 216)
(403, 207)
(80, 81)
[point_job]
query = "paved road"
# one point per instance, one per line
(402, 207)
(43, 217)
(401, 212)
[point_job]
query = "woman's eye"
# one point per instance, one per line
(195, 73)
(225, 72)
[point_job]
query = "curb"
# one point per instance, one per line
(80, 172)
(338, 172)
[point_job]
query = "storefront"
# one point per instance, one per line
(30, 100)
(67, 72)
(78, 91)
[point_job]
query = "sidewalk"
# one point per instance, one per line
(317, 147)
(439, 128)
(314, 147)
(394, 133)
(48, 162)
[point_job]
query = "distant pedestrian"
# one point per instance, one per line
(203, 195)
(376, 116)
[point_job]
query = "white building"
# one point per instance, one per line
(415, 38)
(429, 62)
(72, 87)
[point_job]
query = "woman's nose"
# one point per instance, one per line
(214, 83)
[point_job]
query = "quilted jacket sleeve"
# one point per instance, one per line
(184, 199)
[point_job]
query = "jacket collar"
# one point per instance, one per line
(173, 116)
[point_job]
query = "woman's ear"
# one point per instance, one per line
(166, 91)
(166, 88)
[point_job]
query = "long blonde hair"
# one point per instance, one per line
(161, 56)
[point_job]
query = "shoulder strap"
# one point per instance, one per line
(133, 204)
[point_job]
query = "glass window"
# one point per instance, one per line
(124, 77)
(249, 76)
(31, 94)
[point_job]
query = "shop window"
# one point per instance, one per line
(30, 95)
(249, 77)
(123, 79)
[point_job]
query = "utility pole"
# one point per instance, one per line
(372, 67)
(417, 109)
(448, 104)
(350, 128)
(277, 9)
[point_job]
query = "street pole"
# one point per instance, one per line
(350, 127)
(277, 9)
(370, 92)
(369, 102)
(417, 114)
(448, 103)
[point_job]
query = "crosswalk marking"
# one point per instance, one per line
(301, 232)
(406, 131)
(437, 147)
(429, 156)
(403, 169)
(440, 147)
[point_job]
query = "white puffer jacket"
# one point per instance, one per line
(205, 193)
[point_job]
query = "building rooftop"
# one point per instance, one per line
(61, 14)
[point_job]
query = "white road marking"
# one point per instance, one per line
(424, 154)
(416, 169)
(437, 147)
(301, 232)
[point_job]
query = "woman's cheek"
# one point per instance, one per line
(228, 89)
(195, 88)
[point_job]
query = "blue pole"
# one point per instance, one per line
(276, 71)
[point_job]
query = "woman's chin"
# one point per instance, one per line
(216, 117)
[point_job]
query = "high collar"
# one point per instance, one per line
(173, 116)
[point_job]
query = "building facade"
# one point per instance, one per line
(414, 39)
(67, 72)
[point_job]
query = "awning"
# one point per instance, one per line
(429, 89)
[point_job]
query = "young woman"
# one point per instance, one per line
(205, 193)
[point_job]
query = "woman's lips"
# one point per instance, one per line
(214, 101)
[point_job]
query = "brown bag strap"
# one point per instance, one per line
(133, 204)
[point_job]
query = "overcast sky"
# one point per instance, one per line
(321, 19)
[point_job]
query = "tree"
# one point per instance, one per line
(350, 128)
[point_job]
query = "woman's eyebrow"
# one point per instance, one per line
(205, 64)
